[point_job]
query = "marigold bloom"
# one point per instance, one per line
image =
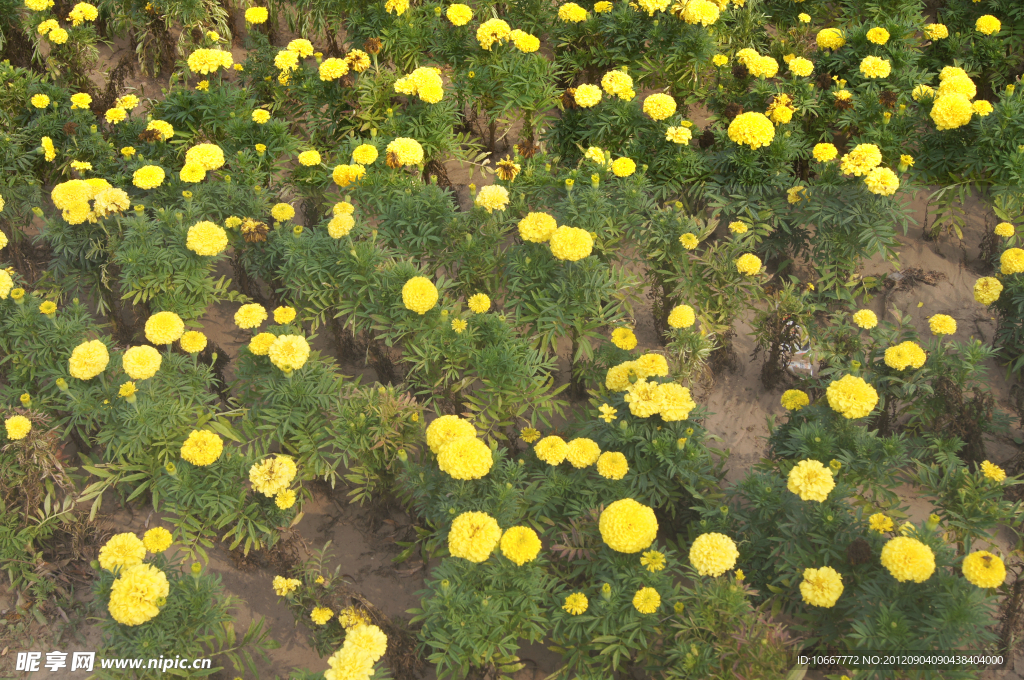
(157, 540)
(88, 360)
(821, 587)
(624, 338)
(748, 264)
(951, 111)
(473, 536)
(285, 586)
(987, 290)
(794, 400)
(984, 569)
(571, 244)
(988, 24)
(148, 177)
(942, 324)
(681, 316)
(865, 318)
(492, 31)
(17, 427)
(465, 458)
(135, 594)
(163, 328)
(851, 396)
(993, 472)
(612, 465)
(250, 316)
(582, 452)
(752, 129)
(576, 604)
(904, 355)
(811, 480)
(520, 545)
(289, 352)
(122, 550)
(628, 526)
(193, 342)
(445, 429)
(659, 106)
(272, 475)
(570, 12)
(880, 523)
(713, 554)
(459, 14)
(908, 559)
(647, 600)
(587, 95)
(419, 295)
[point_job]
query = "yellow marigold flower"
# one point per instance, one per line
(135, 596)
(993, 472)
(1004, 229)
(206, 239)
(419, 295)
(908, 559)
(720, 60)
(82, 12)
(824, 152)
(821, 587)
(880, 523)
(713, 554)
(492, 197)
(794, 400)
(321, 615)
(406, 151)
(40, 101)
(284, 315)
(285, 499)
(552, 450)
(681, 316)
(942, 324)
(192, 172)
(309, 158)
(618, 83)
(612, 465)
(801, 67)
(678, 135)
(492, 31)
(282, 212)
(202, 448)
(882, 181)
(879, 36)
(479, 303)
(700, 12)
(984, 569)
(652, 6)
(570, 12)
(340, 225)
(115, 115)
(951, 111)
(957, 82)
(659, 106)
(332, 69)
(1012, 261)
(804, 18)
(289, 352)
(126, 390)
(865, 318)
(162, 128)
(752, 129)
(830, 39)
(689, 241)
(617, 378)
(260, 116)
(122, 550)
(651, 365)
(582, 452)
(446, 429)
(537, 227)
(628, 526)
(982, 108)
(148, 177)
(576, 603)
(811, 480)
(88, 360)
(273, 475)
(793, 194)
(250, 316)
(520, 545)
(465, 458)
(571, 244)
(193, 342)
(58, 36)
(205, 61)
(163, 328)
(863, 158)
(459, 15)
(358, 60)
(128, 151)
(987, 290)
(748, 264)
(459, 325)
(906, 354)
(529, 435)
(875, 67)
(285, 586)
(738, 227)
(587, 95)
(157, 540)
(473, 536)
(763, 67)
(623, 167)
(256, 15)
(624, 338)
(935, 31)
(364, 154)
(17, 427)
(647, 600)
(653, 560)
(528, 44)
(343, 175)
(851, 396)
(987, 24)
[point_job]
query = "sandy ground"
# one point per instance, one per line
(739, 409)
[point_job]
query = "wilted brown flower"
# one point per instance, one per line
(253, 231)
(372, 46)
(507, 169)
